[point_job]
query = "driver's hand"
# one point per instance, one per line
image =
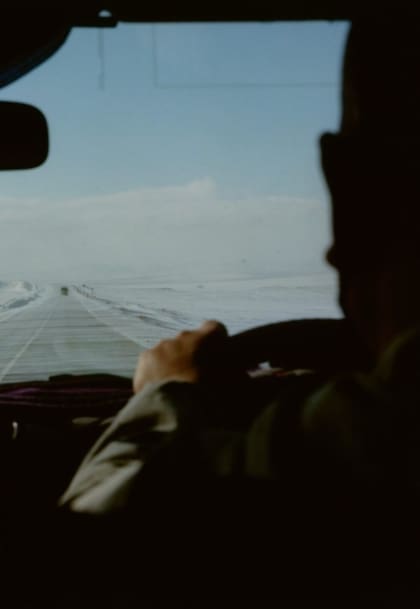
(190, 357)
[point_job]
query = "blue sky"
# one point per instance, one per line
(206, 121)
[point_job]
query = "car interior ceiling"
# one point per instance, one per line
(30, 34)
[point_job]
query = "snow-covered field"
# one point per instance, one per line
(103, 326)
(240, 303)
(165, 307)
(17, 294)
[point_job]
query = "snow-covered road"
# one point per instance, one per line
(57, 334)
(103, 328)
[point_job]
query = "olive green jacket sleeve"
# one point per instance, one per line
(364, 424)
(148, 421)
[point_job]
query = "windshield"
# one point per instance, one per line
(183, 183)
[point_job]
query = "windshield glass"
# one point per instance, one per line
(183, 183)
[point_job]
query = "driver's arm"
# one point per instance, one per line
(170, 383)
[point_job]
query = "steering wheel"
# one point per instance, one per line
(324, 345)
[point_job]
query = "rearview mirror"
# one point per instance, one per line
(23, 136)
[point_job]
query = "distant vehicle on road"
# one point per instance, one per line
(64, 290)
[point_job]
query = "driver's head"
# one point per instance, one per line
(372, 167)
(381, 79)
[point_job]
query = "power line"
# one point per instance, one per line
(155, 67)
(246, 85)
(101, 53)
